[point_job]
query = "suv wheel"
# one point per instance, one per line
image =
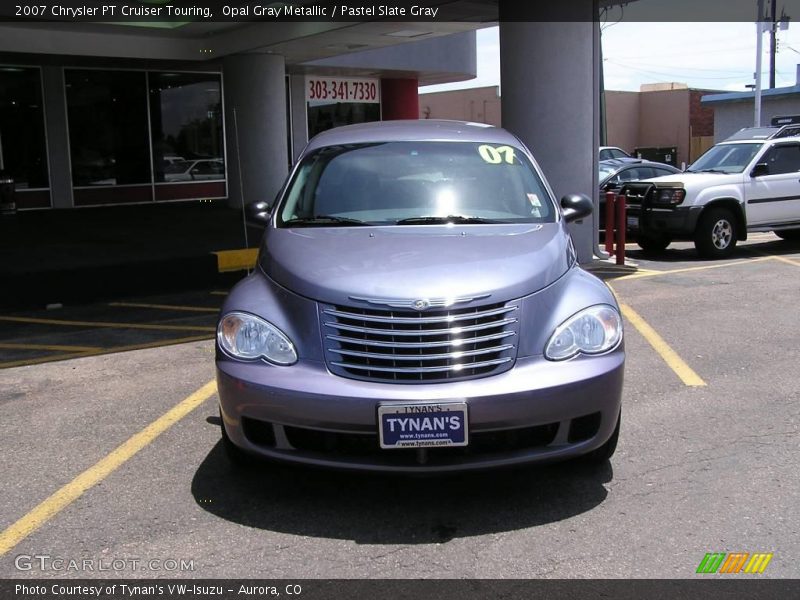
(715, 236)
(791, 235)
(653, 244)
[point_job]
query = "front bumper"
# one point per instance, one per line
(678, 223)
(538, 411)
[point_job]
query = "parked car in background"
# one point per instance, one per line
(417, 306)
(607, 152)
(615, 172)
(741, 185)
(204, 169)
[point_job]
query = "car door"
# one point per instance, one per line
(774, 198)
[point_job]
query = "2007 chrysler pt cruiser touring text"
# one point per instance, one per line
(418, 307)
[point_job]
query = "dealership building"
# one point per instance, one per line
(94, 115)
(98, 114)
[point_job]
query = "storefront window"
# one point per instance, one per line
(186, 122)
(109, 142)
(23, 150)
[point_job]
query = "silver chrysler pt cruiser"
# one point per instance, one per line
(417, 306)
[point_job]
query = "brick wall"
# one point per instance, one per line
(701, 118)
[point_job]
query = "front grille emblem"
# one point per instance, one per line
(422, 304)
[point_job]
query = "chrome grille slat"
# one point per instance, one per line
(421, 357)
(486, 363)
(392, 344)
(418, 320)
(460, 342)
(414, 332)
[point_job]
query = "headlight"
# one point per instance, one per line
(248, 337)
(594, 330)
(670, 197)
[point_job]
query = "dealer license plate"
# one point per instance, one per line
(430, 425)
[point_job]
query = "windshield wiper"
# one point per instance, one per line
(461, 219)
(323, 220)
(706, 171)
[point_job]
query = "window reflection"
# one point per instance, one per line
(108, 135)
(22, 141)
(186, 119)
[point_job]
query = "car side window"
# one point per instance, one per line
(617, 154)
(605, 154)
(783, 159)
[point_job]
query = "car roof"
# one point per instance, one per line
(413, 131)
(761, 140)
(624, 162)
(765, 133)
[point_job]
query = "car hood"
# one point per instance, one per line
(333, 264)
(697, 180)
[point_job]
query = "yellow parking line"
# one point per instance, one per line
(107, 324)
(788, 261)
(100, 351)
(54, 348)
(65, 496)
(689, 269)
(42, 359)
(203, 309)
(670, 357)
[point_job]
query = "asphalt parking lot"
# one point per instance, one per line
(112, 451)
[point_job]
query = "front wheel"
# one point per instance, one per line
(790, 235)
(236, 456)
(716, 236)
(606, 451)
(652, 244)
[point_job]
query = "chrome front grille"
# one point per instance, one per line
(400, 345)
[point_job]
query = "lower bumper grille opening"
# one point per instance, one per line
(584, 428)
(312, 440)
(353, 445)
(258, 432)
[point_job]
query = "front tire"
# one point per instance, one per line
(653, 244)
(606, 451)
(716, 235)
(790, 235)
(236, 456)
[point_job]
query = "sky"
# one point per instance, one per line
(716, 56)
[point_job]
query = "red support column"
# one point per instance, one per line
(399, 99)
(622, 225)
(610, 199)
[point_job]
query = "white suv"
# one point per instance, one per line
(739, 185)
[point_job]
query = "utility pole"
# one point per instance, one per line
(772, 41)
(759, 51)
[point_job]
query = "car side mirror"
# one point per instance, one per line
(258, 213)
(576, 207)
(759, 170)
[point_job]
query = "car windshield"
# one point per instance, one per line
(415, 183)
(606, 170)
(725, 158)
